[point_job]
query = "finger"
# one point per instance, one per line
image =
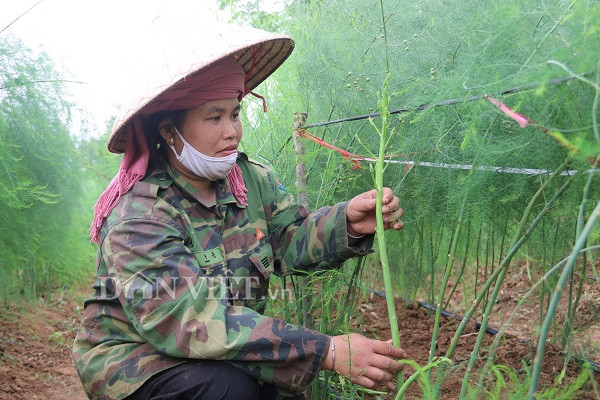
(386, 363)
(400, 212)
(379, 375)
(365, 382)
(366, 200)
(388, 195)
(392, 222)
(398, 225)
(392, 206)
(394, 219)
(371, 194)
(388, 349)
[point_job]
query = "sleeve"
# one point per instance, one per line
(184, 313)
(305, 240)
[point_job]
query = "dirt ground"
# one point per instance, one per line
(35, 350)
(519, 279)
(35, 340)
(416, 328)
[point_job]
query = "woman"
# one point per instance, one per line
(189, 232)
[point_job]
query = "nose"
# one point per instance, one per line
(230, 130)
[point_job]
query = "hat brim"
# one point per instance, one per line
(177, 62)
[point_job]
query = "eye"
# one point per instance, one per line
(235, 115)
(216, 118)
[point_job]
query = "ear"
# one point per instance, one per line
(165, 128)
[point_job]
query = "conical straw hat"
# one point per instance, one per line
(173, 51)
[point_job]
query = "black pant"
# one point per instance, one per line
(206, 380)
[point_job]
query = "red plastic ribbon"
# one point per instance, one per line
(520, 118)
(355, 159)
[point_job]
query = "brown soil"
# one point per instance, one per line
(416, 328)
(35, 340)
(35, 351)
(519, 279)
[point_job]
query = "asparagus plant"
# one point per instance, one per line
(524, 235)
(537, 364)
(542, 281)
(500, 279)
(379, 169)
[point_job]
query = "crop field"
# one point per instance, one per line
(483, 117)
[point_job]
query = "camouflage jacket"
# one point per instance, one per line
(180, 279)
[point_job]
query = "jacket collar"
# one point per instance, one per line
(167, 176)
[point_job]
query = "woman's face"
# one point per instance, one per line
(214, 128)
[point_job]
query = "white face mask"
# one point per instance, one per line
(211, 168)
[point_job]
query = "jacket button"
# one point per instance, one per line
(162, 177)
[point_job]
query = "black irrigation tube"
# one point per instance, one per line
(491, 331)
(446, 102)
(591, 278)
(445, 313)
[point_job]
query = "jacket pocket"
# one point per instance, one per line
(260, 265)
(262, 258)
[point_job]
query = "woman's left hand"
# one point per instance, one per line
(360, 213)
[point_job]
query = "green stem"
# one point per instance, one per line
(505, 262)
(432, 265)
(490, 305)
(477, 260)
(387, 58)
(462, 268)
(596, 105)
(448, 270)
(573, 303)
(543, 280)
(387, 278)
(487, 256)
(418, 372)
(419, 259)
(481, 334)
(580, 221)
(539, 357)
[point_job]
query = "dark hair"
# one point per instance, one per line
(156, 143)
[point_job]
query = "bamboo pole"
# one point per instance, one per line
(301, 187)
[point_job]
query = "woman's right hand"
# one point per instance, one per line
(366, 362)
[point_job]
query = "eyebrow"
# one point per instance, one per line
(222, 109)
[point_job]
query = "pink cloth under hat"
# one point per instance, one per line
(186, 70)
(132, 169)
(223, 80)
